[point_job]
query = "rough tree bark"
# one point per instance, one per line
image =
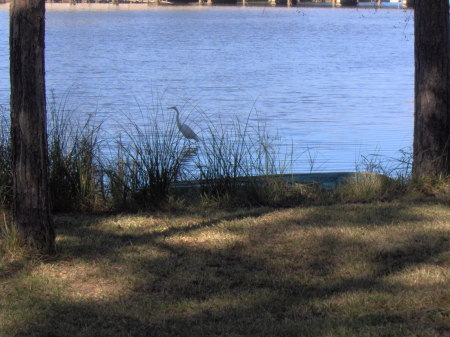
(31, 213)
(432, 89)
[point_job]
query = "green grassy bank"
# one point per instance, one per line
(358, 269)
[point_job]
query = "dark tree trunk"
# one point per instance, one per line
(31, 214)
(432, 89)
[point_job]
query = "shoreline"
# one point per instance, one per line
(107, 6)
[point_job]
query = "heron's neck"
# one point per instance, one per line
(178, 119)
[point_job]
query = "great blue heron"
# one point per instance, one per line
(184, 129)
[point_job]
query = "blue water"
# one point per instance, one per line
(338, 82)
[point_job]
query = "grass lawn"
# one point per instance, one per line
(375, 269)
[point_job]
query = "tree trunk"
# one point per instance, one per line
(31, 213)
(432, 89)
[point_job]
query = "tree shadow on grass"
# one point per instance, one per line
(246, 298)
(237, 290)
(360, 215)
(91, 242)
(9, 270)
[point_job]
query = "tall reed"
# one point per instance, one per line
(149, 159)
(237, 161)
(74, 158)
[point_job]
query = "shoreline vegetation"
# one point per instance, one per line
(149, 165)
(261, 257)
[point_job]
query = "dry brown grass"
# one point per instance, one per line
(375, 269)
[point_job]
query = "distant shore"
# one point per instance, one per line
(152, 5)
(104, 6)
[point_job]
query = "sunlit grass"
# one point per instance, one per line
(376, 269)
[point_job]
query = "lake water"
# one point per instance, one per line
(336, 81)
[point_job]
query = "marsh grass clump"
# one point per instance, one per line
(377, 177)
(398, 168)
(12, 246)
(224, 160)
(150, 158)
(366, 187)
(420, 187)
(237, 163)
(75, 174)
